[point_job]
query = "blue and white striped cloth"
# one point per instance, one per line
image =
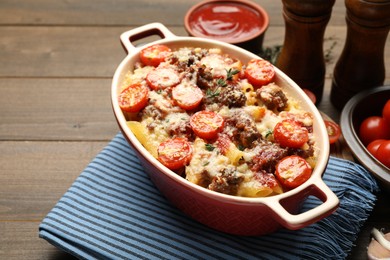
(113, 211)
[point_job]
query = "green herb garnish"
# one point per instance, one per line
(211, 94)
(269, 132)
(221, 83)
(230, 73)
(209, 147)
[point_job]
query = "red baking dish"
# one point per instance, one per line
(226, 213)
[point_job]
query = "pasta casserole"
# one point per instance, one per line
(218, 122)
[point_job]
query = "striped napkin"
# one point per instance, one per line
(113, 211)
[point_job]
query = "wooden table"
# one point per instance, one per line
(57, 59)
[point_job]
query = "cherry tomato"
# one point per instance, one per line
(373, 128)
(162, 78)
(383, 153)
(386, 112)
(310, 94)
(290, 133)
(154, 55)
(187, 95)
(174, 153)
(206, 124)
(292, 171)
(133, 98)
(334, 131)
(374, 145)
(259, 72)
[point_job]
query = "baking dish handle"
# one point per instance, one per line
(127, 38)
(319, 190)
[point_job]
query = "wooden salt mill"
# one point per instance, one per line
(302, 55)
(361, 64)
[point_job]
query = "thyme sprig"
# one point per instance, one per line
(230, 73)
(211, 94)
(221, 83)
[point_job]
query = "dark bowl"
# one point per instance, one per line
(365, 104)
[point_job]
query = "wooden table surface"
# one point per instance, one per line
(57, 59)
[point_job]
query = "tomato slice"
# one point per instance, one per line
(174, 153)
(374, 145)
(133, 98)
(292, 171)
(290, 133)
(373, 128)
(206, 124)
(162, 78)
(187, 95)
(334, 131)
(383, 153)
(259, 72)
(154, 55)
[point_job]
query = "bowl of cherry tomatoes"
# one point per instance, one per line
(365, 123)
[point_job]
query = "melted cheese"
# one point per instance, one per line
(205, 163)
(267, 123)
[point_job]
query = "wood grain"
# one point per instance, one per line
(57, 51)
(57, 61)
(56, 109)
(20, 241)
(35, 174)
(120, 12)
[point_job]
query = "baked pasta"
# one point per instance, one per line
(219, 123)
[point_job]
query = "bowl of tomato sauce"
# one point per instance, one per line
(365, 123)
(238, 22)
(239, 215)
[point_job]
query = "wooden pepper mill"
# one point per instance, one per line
(302, 55)
(361, 64)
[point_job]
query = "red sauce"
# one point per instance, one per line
(226, 21)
